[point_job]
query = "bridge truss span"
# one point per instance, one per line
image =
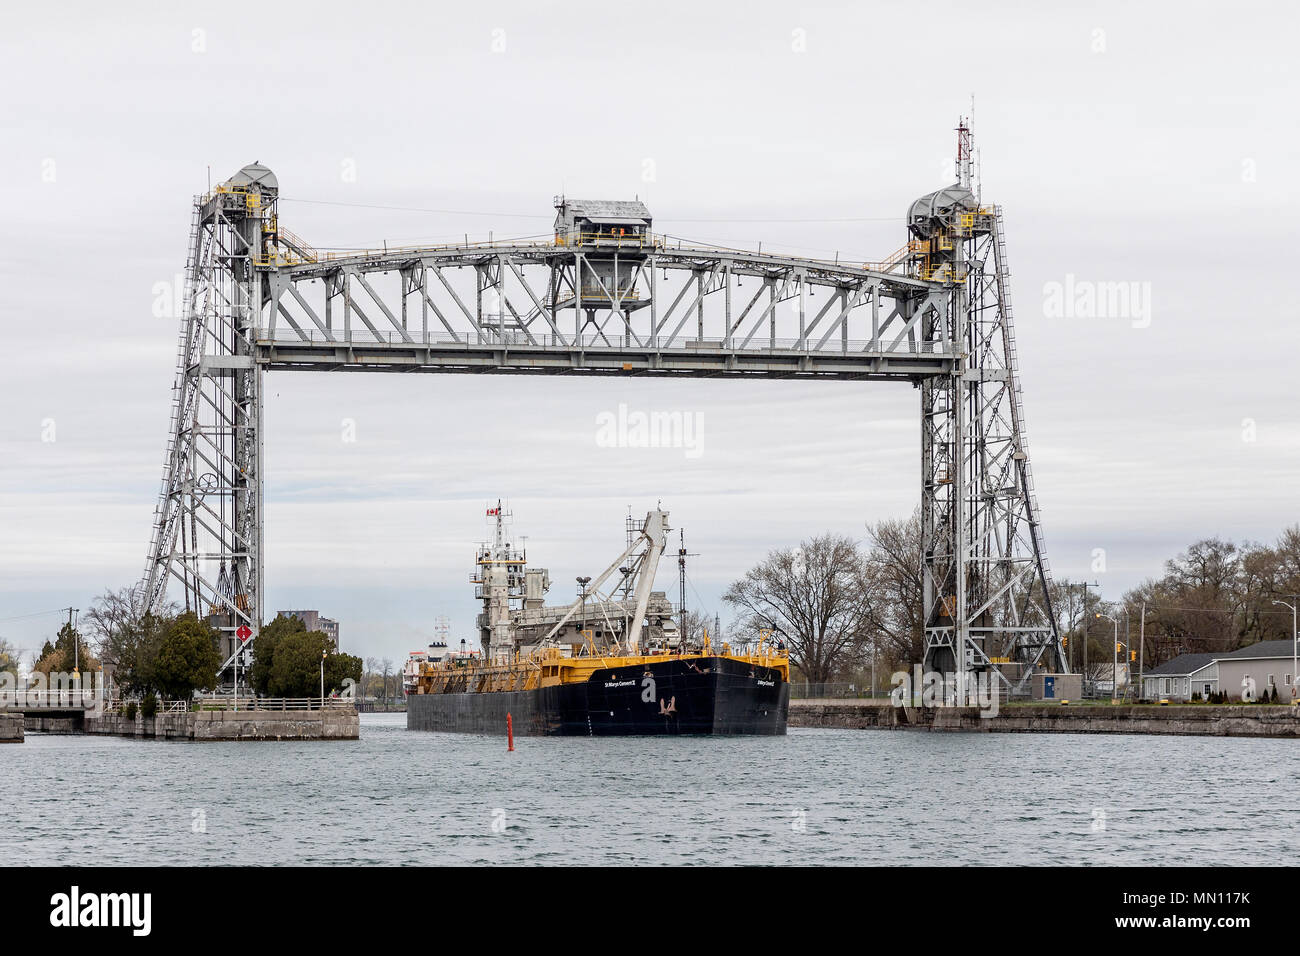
(646, 308)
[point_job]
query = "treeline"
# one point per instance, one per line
(842, 605)
(289, 661)
(1215, 596)
(173, 655)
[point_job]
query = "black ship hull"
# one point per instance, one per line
(669, 696)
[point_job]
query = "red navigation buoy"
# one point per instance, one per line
(510, 734)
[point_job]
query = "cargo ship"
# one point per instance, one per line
(614, 662)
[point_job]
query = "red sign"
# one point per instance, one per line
(243, 632)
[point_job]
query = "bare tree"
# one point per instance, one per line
(815, 597)
(698, 623)
(124, 639)
(896, 610)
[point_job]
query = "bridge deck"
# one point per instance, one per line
(618, 356)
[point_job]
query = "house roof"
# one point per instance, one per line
(1262, 649)
(1181, 666)
(607, 209)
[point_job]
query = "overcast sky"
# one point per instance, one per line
(1156, 146)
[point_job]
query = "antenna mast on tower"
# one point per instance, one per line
(965, 148)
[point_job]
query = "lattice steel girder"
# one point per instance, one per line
(208, 527)
(987, 593)
(543, 295)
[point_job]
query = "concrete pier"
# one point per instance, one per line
(332, 723)
(11, 728)
(1192, 720)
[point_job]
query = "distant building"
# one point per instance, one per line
(1179, 678)
(314, 622)
(1247, 673)
(1254, 670)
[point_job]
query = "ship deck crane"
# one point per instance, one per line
(652, 538)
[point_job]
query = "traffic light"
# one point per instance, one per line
(1132, 655)
(1119, 648)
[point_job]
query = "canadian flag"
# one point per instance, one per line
(494, 511)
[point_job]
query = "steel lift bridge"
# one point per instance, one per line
(607, 296)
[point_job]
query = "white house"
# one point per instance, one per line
(1184, 675)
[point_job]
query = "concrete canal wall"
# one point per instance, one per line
(1194, 720)
(334, 723)
(11, 728)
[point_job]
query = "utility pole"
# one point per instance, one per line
(1142, 646)
(76, 644)
(1086, 621)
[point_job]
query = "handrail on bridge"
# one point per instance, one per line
(118, 705)
(649, 241)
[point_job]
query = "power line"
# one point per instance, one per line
(443, 212)
(522, 215)
(20, 617)
(1208, 610)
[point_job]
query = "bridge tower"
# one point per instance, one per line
(987, 592)
(209, 512)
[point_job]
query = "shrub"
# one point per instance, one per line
(130, 710)
(149, 706)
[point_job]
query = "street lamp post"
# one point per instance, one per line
(1142, 647)
(1295, 644)
(582, 619)
(322, 678)
(1114, 652)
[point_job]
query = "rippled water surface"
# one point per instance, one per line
(815, 796)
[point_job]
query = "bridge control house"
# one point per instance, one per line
(614, 235)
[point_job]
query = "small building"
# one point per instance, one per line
(601, 222)
(314, 622)
(1179, 678)
(1057, 686)
(1252, 671)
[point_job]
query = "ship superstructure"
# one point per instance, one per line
(516, 620)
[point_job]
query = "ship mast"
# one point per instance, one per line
(500, 577)
(681, 583)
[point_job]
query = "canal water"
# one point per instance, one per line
(812, 797)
